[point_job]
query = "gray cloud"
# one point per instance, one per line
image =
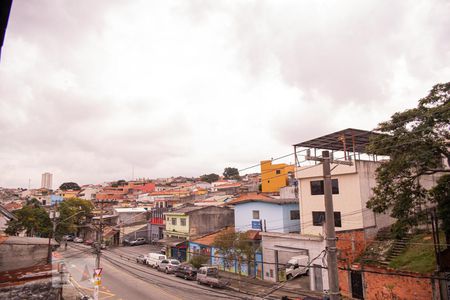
(90, 89)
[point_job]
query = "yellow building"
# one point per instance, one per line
(68, 194)
(274, 177)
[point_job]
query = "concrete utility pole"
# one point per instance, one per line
(51, 234)
(333, 279)
(98, 251)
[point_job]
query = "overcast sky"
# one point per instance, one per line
(89, 89)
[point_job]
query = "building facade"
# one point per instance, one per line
(274, 176)
(261, 212)
(47, 181)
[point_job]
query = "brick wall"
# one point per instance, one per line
(350, 244)
(389, 287)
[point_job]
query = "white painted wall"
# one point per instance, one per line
(355, 189)
(277, 216)
(289, 245)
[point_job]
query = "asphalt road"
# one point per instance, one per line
(123, 278)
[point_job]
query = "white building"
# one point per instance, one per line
(47, 181)
(351, 188)
(352, 184)
(88, 192)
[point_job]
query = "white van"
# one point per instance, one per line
(153, 259)
(297, 266)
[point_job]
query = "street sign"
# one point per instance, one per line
(98, 271)
(256, 225)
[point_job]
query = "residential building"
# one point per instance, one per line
(220, 200)
(278, 248)
(205, 246)
(274, 176)
(47, 181)
(157, 224)
(5, 217)
(89, 192)
(352, 185)
(262, 212)
(54, 199)
(229, 188)
(130, 215)
(190, 222)
(68, 194)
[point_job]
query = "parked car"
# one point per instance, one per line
(141, 259)
(210, 276)
(68, 237)
(154, 258)
(88, 242)
(102, 246)
(77, 240)
(168, 265)
(297, 266)
(136, 242)
(186, 271)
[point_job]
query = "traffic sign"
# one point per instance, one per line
(98, 271)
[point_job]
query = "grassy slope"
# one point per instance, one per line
(417, 257)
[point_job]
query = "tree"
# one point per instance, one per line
(225, 243)
(198, 260)
(416, 141)
(33, 219)
(231, 173)
(235, 247)
(209, 177)
(69, 186)
(441, 194)
(118, 183)
(33, 202)
(73, 213)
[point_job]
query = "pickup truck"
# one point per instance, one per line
(210, 276)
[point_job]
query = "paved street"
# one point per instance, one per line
(123, 278)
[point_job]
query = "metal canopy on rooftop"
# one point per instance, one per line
(354, 140)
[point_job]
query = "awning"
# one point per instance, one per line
(172, 242)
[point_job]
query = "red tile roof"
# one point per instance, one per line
(258, 197)
(208, 240)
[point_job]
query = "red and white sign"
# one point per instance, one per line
(98, 272)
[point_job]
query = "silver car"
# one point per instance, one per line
(168, 265)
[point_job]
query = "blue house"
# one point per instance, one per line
(205, 246)
(266, 213)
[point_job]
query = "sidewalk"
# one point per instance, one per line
(259, 289)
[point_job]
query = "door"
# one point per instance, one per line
(357, 285)
(318, 284)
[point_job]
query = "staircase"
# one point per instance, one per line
(397, 249)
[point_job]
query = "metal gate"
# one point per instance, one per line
(357, 285)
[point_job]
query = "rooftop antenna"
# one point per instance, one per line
(29, 183)
(132, 173)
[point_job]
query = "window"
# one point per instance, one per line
(295, 214)
(318, 189)
(174, 221)
(256, 214)
(183, 221)
(319, 218)
(278, 171)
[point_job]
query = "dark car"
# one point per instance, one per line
(186, 271)
(136, 242)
